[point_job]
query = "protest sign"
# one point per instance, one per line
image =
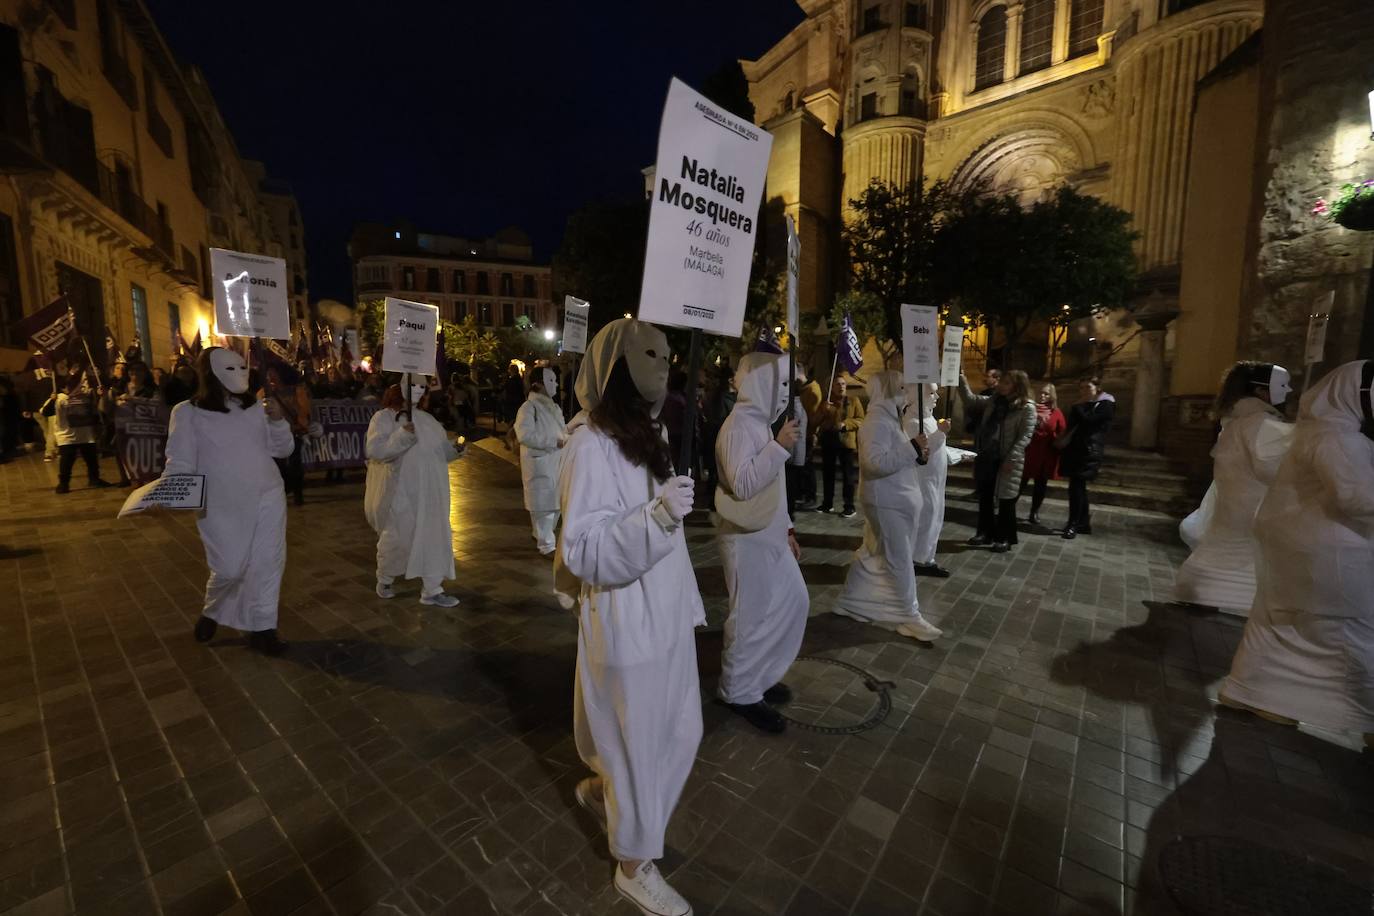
(1315, 350)
(920, 348)
(793, 275)
(702, 219)
(411, 341)
(343, 427)
(176, 491)
(575, 312)
(250, 295)
(141, 437)
(355, 352)
(951, 356)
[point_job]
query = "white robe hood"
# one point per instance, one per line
(887, 459)
(645, 349)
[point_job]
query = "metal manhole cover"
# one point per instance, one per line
(834, 697)
(1224, 876)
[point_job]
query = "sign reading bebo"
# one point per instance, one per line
(575, 313)
(172, 491)
(920, 344)
(951, 356)
(410, 343)
(250, 295)
(703, 215)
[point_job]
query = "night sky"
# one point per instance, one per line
(463, 117)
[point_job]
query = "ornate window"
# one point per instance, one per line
(915, 16)
(1037, 34)
(990, 57)
(1085, 24)
(868, 106)
(912, 105)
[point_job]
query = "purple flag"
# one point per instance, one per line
(849, 351)
(51, 328)
(767, 342)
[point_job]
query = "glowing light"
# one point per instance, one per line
(548, 335)
(398, 234)
(365, 363)
(519, 364)
(627, 314)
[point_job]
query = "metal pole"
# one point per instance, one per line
(689, 418)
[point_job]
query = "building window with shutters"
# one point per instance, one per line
(507, 314)
(868, 106)
(483, 284)
(507, 285)
(991, 53)
(529, 287)
(484, 313)
(432, 281)
(1037, 34)
(139, 297)
(915, 17)
(408, 278)
(1085, 24)
(460, 282)
(460, 310)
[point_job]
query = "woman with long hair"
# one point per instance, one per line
(233, 439)
(1042, 455)
(1006, 422)
(1086, 429)
(623, 563)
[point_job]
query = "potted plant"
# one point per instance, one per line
(1353, 207)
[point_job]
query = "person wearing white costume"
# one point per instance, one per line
(226, 434)
(881, 585)
(768, 597)
(930, 479)
(1307, 654)
(1254, 438)
(539, 428)
(407, 497)
(622, 561)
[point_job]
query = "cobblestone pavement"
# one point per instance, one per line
(403, 759)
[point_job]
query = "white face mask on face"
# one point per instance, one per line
(417, 391)
(784, 395)
(646, 354)
(550, 383)
(1280, 385)
(231, 370)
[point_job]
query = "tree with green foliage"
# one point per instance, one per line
(371, 316)
(601, 257)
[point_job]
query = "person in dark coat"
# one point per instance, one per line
(1088, 423)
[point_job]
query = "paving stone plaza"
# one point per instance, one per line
(1056, 752)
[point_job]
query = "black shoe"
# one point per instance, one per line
(999, 547)
(205, 629)
(62, 488)
(933, 569)
(101, 484)
(1034, 519)
(825, 509)
(979, 541)
(848, 513)
(778, 695)
(760, 715)
(1069, 533)
(267, 642)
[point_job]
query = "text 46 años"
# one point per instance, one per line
(713, 235)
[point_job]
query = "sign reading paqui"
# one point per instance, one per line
(575, 313)
(920, 344)
(411, 338)
(250, 295)
(702, 219)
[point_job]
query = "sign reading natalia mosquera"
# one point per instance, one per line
(703, 215)
(411, 339)
(920, 344)
(250, 295)
(575, 313)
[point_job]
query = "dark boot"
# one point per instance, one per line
(931, 569)
(778, 695)
(205, 629)
(267, 642)
(760, 715)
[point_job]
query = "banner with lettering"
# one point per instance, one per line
(344, 435)
(141, 437)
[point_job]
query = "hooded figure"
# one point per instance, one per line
(233, 439)
(1220, 572)
(539, 430)
(768, 598)
(881, 585)
(407, 498)
(622, 560)
(1308, 649)
(930, 479)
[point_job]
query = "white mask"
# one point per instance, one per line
(1280, 385)
(417, 391)
(550, 382)
(646, 354)
(230, 369)
(784, 395)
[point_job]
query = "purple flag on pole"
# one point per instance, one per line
(849, 351)
(51, 328)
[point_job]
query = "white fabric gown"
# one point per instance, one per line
(243, 527)
(1308, 648)
(930, 478)
(768, 597)
(539, 429)
(881, 584)
(1220, 572)
(637, 699)
(407, 498)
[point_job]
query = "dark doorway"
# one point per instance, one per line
(87, 302)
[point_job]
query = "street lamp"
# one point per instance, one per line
(548, 334)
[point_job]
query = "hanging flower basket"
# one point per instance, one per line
(1353, 208)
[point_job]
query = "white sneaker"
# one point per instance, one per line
(920, 629)
(592, 801)
(648, 891)
(439, 600)
(385, 591)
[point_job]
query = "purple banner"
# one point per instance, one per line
(141, 437)
(343, 428)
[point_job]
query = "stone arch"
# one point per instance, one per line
(980, 9)
(1037, 152)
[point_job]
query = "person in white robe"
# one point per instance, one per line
(407, 496)
(881, 585)
(930, 478)
(1307, 654)
(758, 547)
(230, 437)
(1220, 572)
(622, 562)
(539, 428)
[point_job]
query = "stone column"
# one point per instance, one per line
(972, 58)
(1154, 320)
(1012, 66)
(1059, 47)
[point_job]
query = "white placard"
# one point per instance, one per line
(575, 312)
(351, 336)
(410, 343)
(250, 293)
(951, 355)
(171, 491)
(920, 344)
(793, 275)
(703, 216)
(1315, 351)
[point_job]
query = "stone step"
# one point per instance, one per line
(1171, 500)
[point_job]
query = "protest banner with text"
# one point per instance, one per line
(343, 435)
(250, 292)
(141, 437)
(575, 313)
(176, 491)
(411, 339)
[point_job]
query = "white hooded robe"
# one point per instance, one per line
(1308, 648)
(407, 498)
(768, 597)
(637, 698)
(243, 527)
(1220, 572)
(930, 478)
(539, 429)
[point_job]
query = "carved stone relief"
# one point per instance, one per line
(1099, 98)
